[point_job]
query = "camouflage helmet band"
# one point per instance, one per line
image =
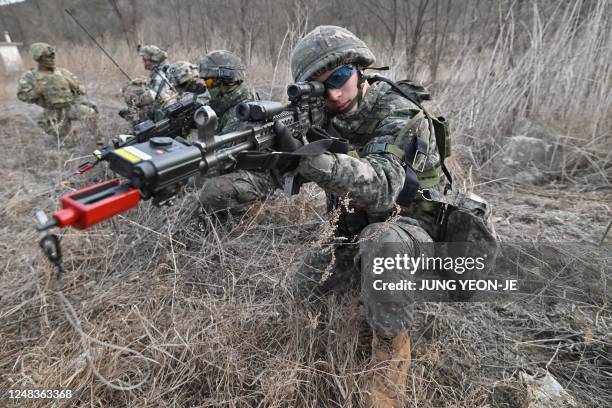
(181, 72)
(222, 65)
(152, 53)
(327, 47)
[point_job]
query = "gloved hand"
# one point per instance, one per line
(284, 142)
(316, 133)
(337, 144)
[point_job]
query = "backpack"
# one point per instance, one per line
(462, 218)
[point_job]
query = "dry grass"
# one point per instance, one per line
(207, 316)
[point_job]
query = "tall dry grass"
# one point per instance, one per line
(553, 69)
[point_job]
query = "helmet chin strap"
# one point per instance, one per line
(360, 81)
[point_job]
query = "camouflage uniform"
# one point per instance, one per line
(235, 191)
(57, 91)
(139, 100)
(155, 61)
(363, 190)
(371, 183)
(185, 77)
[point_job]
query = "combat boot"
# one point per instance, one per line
(253, 216)
(389, 377)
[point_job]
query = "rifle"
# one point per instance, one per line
(176, 120)
(158, 168)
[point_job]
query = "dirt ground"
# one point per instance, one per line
(212, 325)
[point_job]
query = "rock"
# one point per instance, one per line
(532, 152)
(534, 177)
(544, 391)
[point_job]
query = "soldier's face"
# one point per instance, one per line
(339, 100)
(148, 64)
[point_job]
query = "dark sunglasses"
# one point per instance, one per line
(339, 77)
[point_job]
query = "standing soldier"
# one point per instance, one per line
(224, 75)
(185, 77)
(58, 92)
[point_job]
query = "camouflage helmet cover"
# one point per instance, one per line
(181, 72)
(223, 65)
(136, 93)
(40, 50)
(327, 47)
(152, 53)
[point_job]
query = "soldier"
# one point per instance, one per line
(58, 92)
(154, 60)
(363, 188)
(224, 75)
(140, 101)
(185, 77)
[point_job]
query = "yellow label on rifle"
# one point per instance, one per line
(132, 158)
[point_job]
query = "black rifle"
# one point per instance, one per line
(159, 167)
(176, 120)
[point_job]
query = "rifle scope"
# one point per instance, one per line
(259, 110)
(306, 88)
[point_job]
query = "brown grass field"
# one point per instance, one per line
(148, 316)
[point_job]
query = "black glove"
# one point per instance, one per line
(337, 145)
(285, 142)
(317, 133)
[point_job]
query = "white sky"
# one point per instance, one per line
(5, 2)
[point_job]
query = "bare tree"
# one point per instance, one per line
(413, 26)
(439, 36)
(115, 8)
(387, 14)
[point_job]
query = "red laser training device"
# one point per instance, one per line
(90, 205)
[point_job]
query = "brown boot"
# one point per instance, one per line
(390, 364)
(253, 216)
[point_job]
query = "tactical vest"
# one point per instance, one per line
(414, 152)
(460, 217)
(56, 89)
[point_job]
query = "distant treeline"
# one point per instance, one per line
(409, 33)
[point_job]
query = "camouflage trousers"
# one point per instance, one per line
(235, 191)
(57, 122)
(341, 266)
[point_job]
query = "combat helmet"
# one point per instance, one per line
(152, 53)
(182, 71)
(41, 50)
(327, 47)
(221, 64)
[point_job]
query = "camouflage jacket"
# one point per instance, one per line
(49, 90)
(373, 182)
(197, 87)
(225, 107)
(159, 84)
